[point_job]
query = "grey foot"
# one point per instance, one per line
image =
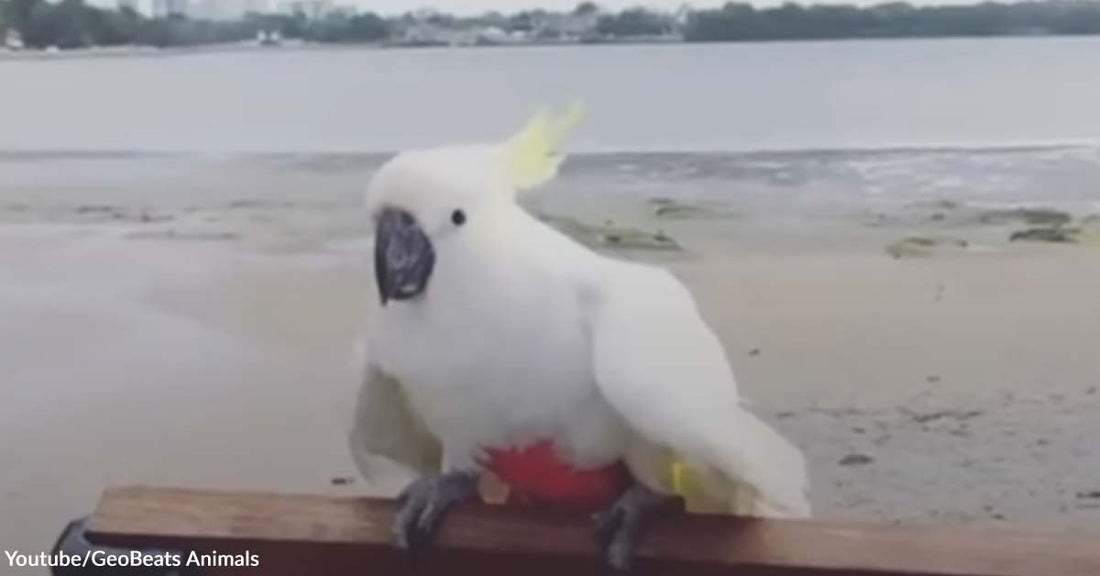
(425, 502)
(619, 527)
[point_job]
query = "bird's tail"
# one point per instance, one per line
(766, 479)
(705, 490)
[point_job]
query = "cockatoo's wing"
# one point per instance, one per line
(664, 371)
(388, 442)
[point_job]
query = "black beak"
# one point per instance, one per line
(403, 256)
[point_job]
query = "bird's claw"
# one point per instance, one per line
(619, 527)
(425, 502)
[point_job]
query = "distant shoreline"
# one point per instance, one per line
(235, 47)
(11, 154)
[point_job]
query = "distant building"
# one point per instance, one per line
(495, 36)
(166, 8)
(565, 26)
(427, 34)
(312, 9)
(12, 40)
(256, 6)
(420, 33)
(348, 11)
(682, 15)
(226, 9)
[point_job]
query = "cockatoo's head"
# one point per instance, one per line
(422, 199)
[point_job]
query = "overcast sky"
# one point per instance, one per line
(479, 6)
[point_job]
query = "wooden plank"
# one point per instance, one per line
(307, 535)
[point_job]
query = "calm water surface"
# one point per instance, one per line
(985, 120)
(732, 97)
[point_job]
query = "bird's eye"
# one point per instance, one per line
(458, 217)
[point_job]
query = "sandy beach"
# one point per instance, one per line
(204, 336)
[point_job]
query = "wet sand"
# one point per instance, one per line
(204, 336)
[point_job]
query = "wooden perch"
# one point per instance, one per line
(319, 535)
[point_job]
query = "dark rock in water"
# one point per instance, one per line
(250, 203)
(175, 235)
(342, 480)
(856, 460)
(149, 218)
(1090, 495)
(95, 209)
(926, 417)
(639, 240)
(932, 379)
(910, 247)
(754, 352)
(1054, 234)
(941, 205)
(678, 210)
(607, 236)
(121, 213)
(1032, 216)
(947, 205)
(916, 246)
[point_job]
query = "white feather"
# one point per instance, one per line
(524, 335)
(665, 372)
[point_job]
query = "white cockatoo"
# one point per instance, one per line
(494, 342)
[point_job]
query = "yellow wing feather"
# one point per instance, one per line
(700, 492)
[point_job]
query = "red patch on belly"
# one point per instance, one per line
(538, 473)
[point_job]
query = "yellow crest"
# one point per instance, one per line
(533, 155)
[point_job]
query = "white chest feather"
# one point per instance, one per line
(498, 357)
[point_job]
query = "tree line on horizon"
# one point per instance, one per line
(742, 22)
(69, 24)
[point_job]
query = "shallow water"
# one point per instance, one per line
(803, 126)
(795, 183)
(782, 95)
